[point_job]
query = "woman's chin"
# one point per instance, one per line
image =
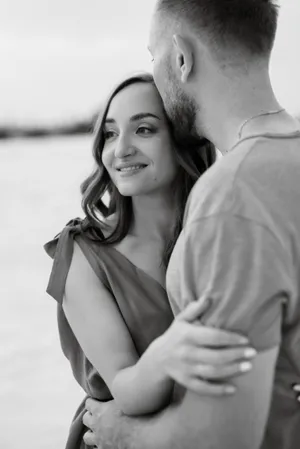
(133, 190)
(129, 191)
(129, 187)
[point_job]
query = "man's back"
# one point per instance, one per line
(250, 200)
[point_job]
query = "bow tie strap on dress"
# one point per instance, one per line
(61, 250)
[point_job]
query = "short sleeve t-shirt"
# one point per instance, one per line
(240, 246)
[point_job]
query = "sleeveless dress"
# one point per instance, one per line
(142, 302)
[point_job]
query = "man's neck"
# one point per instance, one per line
(230, 102)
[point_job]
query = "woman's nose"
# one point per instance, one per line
(123, 148)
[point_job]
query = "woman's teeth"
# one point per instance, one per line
(132, 167)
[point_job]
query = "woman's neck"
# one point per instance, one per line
(153, 216)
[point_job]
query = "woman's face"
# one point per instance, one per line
(137, 152)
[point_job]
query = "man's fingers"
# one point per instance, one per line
(88, 420)
(213, 337)
(194, 311)
(89, 438)
(91, 405)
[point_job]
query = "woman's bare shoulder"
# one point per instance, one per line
(81, 271)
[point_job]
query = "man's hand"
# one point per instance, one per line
(99, 415)
(105, 422)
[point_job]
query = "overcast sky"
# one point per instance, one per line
(59, 58)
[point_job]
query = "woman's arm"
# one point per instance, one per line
(97, 323)
(186, 352)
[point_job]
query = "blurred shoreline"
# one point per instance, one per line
(75, 128)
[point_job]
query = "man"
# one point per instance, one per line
(241, 236)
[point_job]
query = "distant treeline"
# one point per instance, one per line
(80, 127)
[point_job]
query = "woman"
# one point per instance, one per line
(115, 322)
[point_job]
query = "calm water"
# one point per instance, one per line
(39, 192)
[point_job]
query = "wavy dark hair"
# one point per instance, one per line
(194, 157)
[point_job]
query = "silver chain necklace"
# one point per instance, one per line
(277, 111)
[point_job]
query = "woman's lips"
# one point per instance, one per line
(131, 169)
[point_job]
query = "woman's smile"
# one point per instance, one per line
(136, 137)
(130, 169)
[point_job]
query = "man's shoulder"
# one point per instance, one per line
(244, 179)
(213, 193)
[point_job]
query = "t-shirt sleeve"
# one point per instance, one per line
(242, 267)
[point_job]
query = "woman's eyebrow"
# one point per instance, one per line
(142, 115)
(135, 117)
(110, 120)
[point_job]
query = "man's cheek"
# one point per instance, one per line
(159, 80)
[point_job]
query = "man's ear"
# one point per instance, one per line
(184, 57)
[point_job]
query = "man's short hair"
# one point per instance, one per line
(247, 24)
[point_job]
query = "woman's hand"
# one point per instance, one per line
(202, 358)
(296, 388)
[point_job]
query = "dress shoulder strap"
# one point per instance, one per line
(60, 249)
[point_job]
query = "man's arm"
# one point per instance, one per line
(196, 422)
(243, 268)
(202, 422)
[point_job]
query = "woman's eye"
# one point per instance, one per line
(145, 130)
(109, 134)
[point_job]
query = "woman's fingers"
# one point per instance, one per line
(210, 389)
(211, 372)
(194, 310)
(296, 388)
(219, 357)
(213, 337)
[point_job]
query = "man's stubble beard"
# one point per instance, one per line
(182, 113)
